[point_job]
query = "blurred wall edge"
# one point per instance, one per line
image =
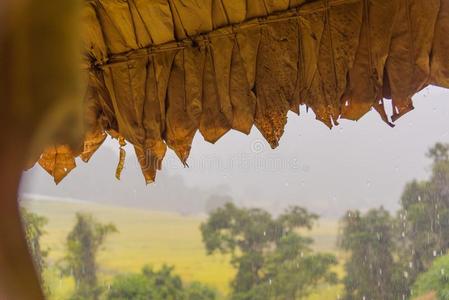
(40, 104)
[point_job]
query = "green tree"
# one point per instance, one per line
(164, 282)
(435, 280)
(157, 285)
(272, 260)
(198, 291)
(293, 271)
(439, 153)
(372, 271)
(408, 244)
(33, 226)
(130, 286)
(424, 214)
(83, 244)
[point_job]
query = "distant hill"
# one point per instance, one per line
(96, 182)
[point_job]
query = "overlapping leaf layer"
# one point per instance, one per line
(161, 70)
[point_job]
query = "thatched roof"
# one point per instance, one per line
(158, 71)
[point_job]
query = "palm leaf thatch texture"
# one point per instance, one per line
(159, 71)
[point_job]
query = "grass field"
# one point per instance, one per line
(152, 238)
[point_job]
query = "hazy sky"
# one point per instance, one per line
(355, 165)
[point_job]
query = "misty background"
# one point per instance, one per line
(357, 165)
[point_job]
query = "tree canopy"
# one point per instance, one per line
(33, 225)
(387, 254)
(83, 244)
(273, 261)
(160, 284)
